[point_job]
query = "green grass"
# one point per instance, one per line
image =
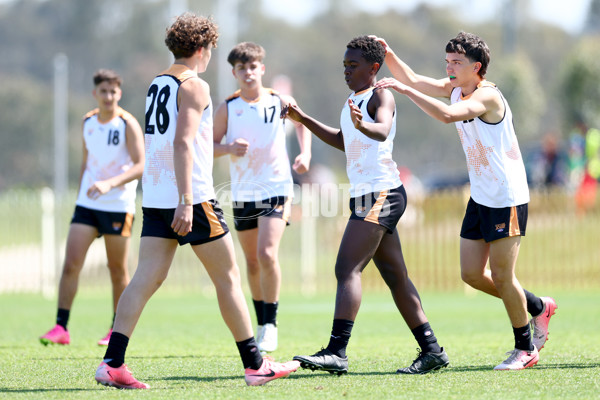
(183, 350)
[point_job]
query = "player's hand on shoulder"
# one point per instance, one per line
(391, 83)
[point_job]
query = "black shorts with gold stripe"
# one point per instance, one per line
(383, 208)
(491, 224)
(106, 222)
(208, 224)
(246, 213)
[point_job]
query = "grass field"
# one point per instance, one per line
(183, 350)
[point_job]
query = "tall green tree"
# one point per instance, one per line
(580, 83)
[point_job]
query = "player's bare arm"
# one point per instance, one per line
(381, 106)
(238, 148)
(302, 160)
(484, 102)
(405, 74)
(329, 135)
(193, 98)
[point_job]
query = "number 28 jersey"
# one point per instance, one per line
(107, 156)
(158, 182)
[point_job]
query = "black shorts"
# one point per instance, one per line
(208, 224)
(246, 213)
(106, 222)
(491, 224)
(383, 208)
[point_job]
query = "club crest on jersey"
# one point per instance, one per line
(116, 226)
(500, 227)
(239, 112)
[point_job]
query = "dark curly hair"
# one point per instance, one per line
(371, 49)
(245, 52)
(189, 33)
(473, 47)
(106, 75)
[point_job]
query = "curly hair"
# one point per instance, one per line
(245, 52)
(189, 33)
(107, 75)
(371, 49)
(473, 47)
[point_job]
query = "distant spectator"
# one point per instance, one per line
(549, 166)
(585, 196)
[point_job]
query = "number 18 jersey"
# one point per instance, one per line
(107, 156)
(158, 182)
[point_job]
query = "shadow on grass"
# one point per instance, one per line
(49, 390)
(475, 368)
(67, 357)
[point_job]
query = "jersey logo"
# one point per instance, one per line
(116, 226)
(500, 227)
(239, 112)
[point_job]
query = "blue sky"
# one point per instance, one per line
(567, 14)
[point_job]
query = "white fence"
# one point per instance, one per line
(560, 250)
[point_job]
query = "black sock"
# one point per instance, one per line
(426, 338)
(115, 353)
(523, 338)
(250, 354)
(340, 336)
(259, 308)
(62, 317)
(271, 313)
(535, 305)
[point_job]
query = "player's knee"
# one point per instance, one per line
(470, 278)
(501, 279)
(72, 267)
(267, 256)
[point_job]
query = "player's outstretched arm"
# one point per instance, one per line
(405, 74)
(481, 102)
(329, 135)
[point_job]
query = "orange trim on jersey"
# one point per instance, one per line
(513, 224)
(481, 84)
(126, 231)
(363, 91)
(181, 72)
(91, 113)
(238, 93)
(124, 114)
(373, 215)
(216, 228)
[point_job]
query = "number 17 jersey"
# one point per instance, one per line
(159, 184)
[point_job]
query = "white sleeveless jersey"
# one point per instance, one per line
(264, 171)
(158, 183)
(107, 156)
(369, 163)
(496, 169)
